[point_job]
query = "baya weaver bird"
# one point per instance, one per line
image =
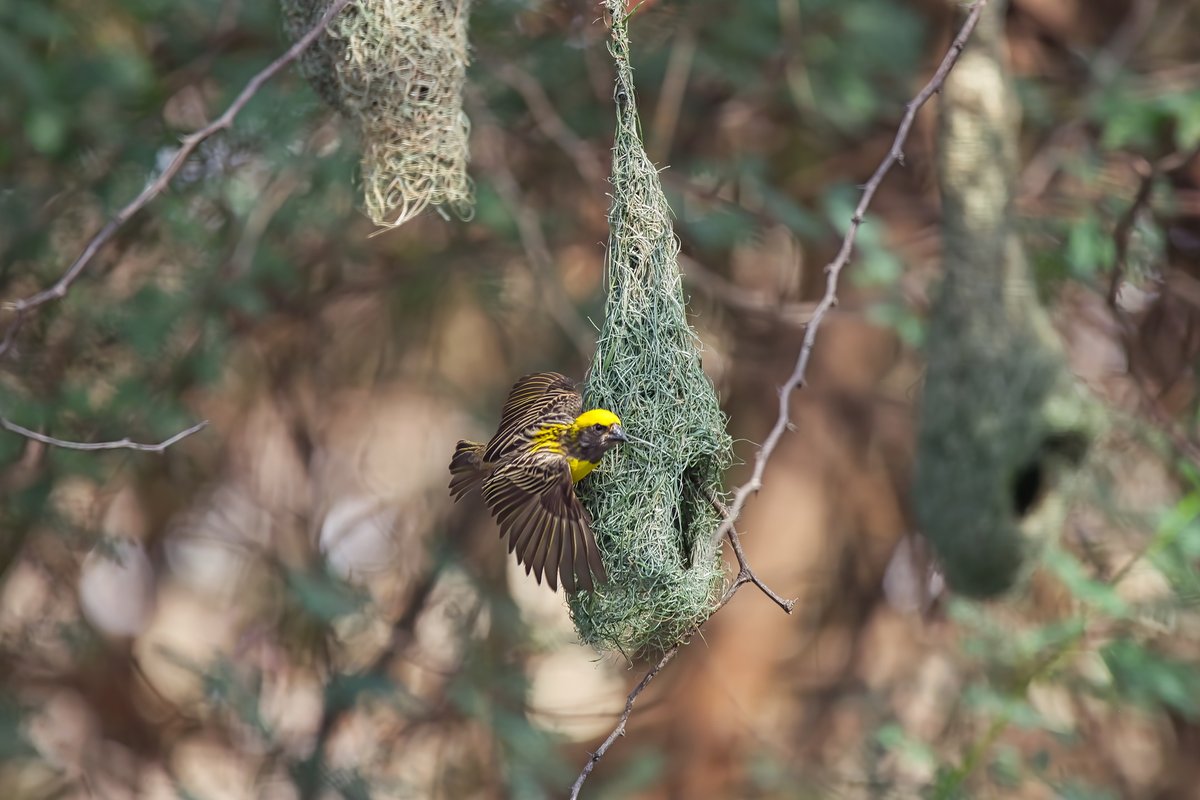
(546, 443)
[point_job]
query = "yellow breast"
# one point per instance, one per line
(551, 438)
(580, 468)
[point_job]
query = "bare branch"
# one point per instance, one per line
(156, 187)
(671, 94)
(122, 444)
(554, 298)
(1042, 167)
(1148, 172)
(795, 380)
(1123, 232)
(745, 575)
(619, 731)
(834, 270)
(727, 293)
(547, 118)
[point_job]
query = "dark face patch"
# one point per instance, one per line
(593, 442)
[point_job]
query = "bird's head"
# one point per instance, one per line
(597, 432)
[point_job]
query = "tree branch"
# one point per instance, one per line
(795, 380)
(727, 293)
(121, 444)
(619, 731)
(745, 575)
(548, 120)
(1148, 172)
(834, 270)
(188, 145)
(547, 282)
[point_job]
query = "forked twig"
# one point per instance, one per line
(21, 308)
(795, 380)
(120, 444)
(745, 573)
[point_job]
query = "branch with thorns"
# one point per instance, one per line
(795, 381)
(21, 308)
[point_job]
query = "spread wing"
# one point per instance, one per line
(540, 398)
(533, 500)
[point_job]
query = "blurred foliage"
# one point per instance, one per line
(787, 105)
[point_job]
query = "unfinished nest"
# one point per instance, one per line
(652, 505)
(396, 70)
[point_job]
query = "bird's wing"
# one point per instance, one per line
(534, 400)
(533, 500)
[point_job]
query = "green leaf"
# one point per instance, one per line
(343, 691)
(324, 595)
(641, 770)
(46, 130)
(1078, 790)
(1151, 680)
(1090, 248)
(1098, 594)
(1007, 767)
(13, 743)
(1003, 706)
(907, 324)
(1186, 109)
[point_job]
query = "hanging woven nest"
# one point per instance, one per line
(396, 70)
(651, 505)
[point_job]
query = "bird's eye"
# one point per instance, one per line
(598, 428)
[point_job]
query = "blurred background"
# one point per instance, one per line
(287, 605)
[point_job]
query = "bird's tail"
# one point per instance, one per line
(466, 468)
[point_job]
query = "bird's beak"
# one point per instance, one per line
(617, 434)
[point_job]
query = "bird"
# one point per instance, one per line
(545, 444)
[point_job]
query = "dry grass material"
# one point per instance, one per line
(651, 503)
(396, 70)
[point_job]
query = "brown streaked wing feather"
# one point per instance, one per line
(534, 399)
(554, 552)
(533, 500)
(566, 564)
(541, 551)
(595, 564)
(466, 468)
(531, 389)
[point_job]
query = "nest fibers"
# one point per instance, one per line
(396, 69)
(651, 504)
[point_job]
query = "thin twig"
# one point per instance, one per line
(1042, 167)
(745, 574)
(547, 282)
(311, 772)
(187, 146)
(122, 444)
(619, 731)
(550, 122)
(10, 335)
(1123, 231)
(834, 270)
(1148, 173)
(671, 95)
(729, 294)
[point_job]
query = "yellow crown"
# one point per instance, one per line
(597, 416)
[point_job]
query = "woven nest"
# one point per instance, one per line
(396, 70)
(652, 505)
